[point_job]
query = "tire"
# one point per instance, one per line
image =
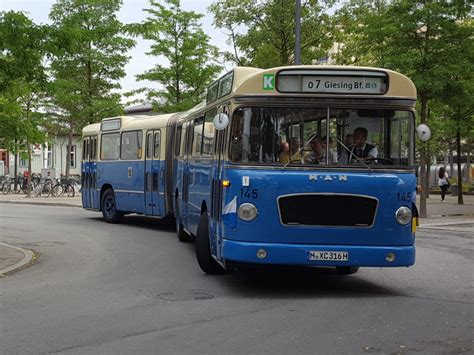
(6, 187)
(47, 188)
(183, 237)
(346, 270)
(203, 250)
(69, 190)
(109, 207)
(57, 190)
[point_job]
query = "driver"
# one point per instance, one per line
(361, 148)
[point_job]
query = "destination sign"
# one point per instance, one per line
(367, 83)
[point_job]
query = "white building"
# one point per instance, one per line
(48, 157)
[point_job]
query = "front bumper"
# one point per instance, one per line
(296, 254)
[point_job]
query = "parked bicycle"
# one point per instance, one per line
(63, 187)
(44, 187)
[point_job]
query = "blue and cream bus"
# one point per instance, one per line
(302, 165)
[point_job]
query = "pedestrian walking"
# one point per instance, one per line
(443, 182)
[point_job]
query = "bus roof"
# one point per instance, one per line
(250, 81)
(130, 123)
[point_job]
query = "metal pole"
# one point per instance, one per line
(298, 32)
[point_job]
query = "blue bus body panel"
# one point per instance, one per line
(236, 239)
(128, 187)
(199, 191)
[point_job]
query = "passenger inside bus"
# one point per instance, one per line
(362, 149)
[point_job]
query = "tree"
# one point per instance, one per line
(412, 37)
(89, 55)
(22, 83)
(263, 32)
(177, 36)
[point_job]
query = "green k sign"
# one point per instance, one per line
(268, 81)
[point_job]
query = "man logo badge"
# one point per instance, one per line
(314, 177)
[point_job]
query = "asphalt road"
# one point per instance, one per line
(133, 288)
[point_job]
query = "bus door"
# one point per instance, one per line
(186, 175)
(93, 193)
(89, 173)
(216, 227)
(152, 173)
(85, 175)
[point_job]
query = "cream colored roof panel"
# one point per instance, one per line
(249, 81)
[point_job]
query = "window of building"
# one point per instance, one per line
(49, 156)
(72, 156)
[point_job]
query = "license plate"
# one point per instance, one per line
(328, 255)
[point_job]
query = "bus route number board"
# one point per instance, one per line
(328, 255)
(343, 84)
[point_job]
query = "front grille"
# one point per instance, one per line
(327, 210)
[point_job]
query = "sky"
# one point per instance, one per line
(131, 11)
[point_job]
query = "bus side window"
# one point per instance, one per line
(208, 134)
(189, 138)
(131, 147)
(110, 146)
(177, 141)
(197, 137)
(182, 149)
(149, 146)
(84, 149)
(157, 145)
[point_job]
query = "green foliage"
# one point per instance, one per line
(88, 59)
(22, 79)
(177, 36)
(263, 32)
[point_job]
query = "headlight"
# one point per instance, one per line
(247, 212)
(403, 215)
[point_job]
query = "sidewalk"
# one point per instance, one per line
(45, 201)
(14, 258)
(449, 211)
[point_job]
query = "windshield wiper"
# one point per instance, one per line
(351, 152)
(299, 151)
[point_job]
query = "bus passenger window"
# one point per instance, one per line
(157, 145)
(177, 141)
(131, 145)
(208, 136)
(149, 146)
(110, 147)
(197, 137)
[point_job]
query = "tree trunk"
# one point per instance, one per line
(68, 154)
(458, 146)
(468, 162)
(422, 176)
(28, 186)
(15, 168)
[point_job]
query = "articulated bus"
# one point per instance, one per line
(302, 165)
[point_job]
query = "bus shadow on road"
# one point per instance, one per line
(150, 223)
(277, 283)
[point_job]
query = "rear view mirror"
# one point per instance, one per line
(423, 132)
(221, 121)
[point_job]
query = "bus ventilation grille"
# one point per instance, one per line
(328, 210)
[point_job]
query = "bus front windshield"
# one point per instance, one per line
(322, 136)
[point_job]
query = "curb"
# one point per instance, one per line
(28, 257)
(39, 203)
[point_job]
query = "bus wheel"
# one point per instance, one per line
(203, 250)
(183, 237)
(346, 270)
(109, 207)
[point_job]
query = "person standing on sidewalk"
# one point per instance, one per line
(443, 182)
